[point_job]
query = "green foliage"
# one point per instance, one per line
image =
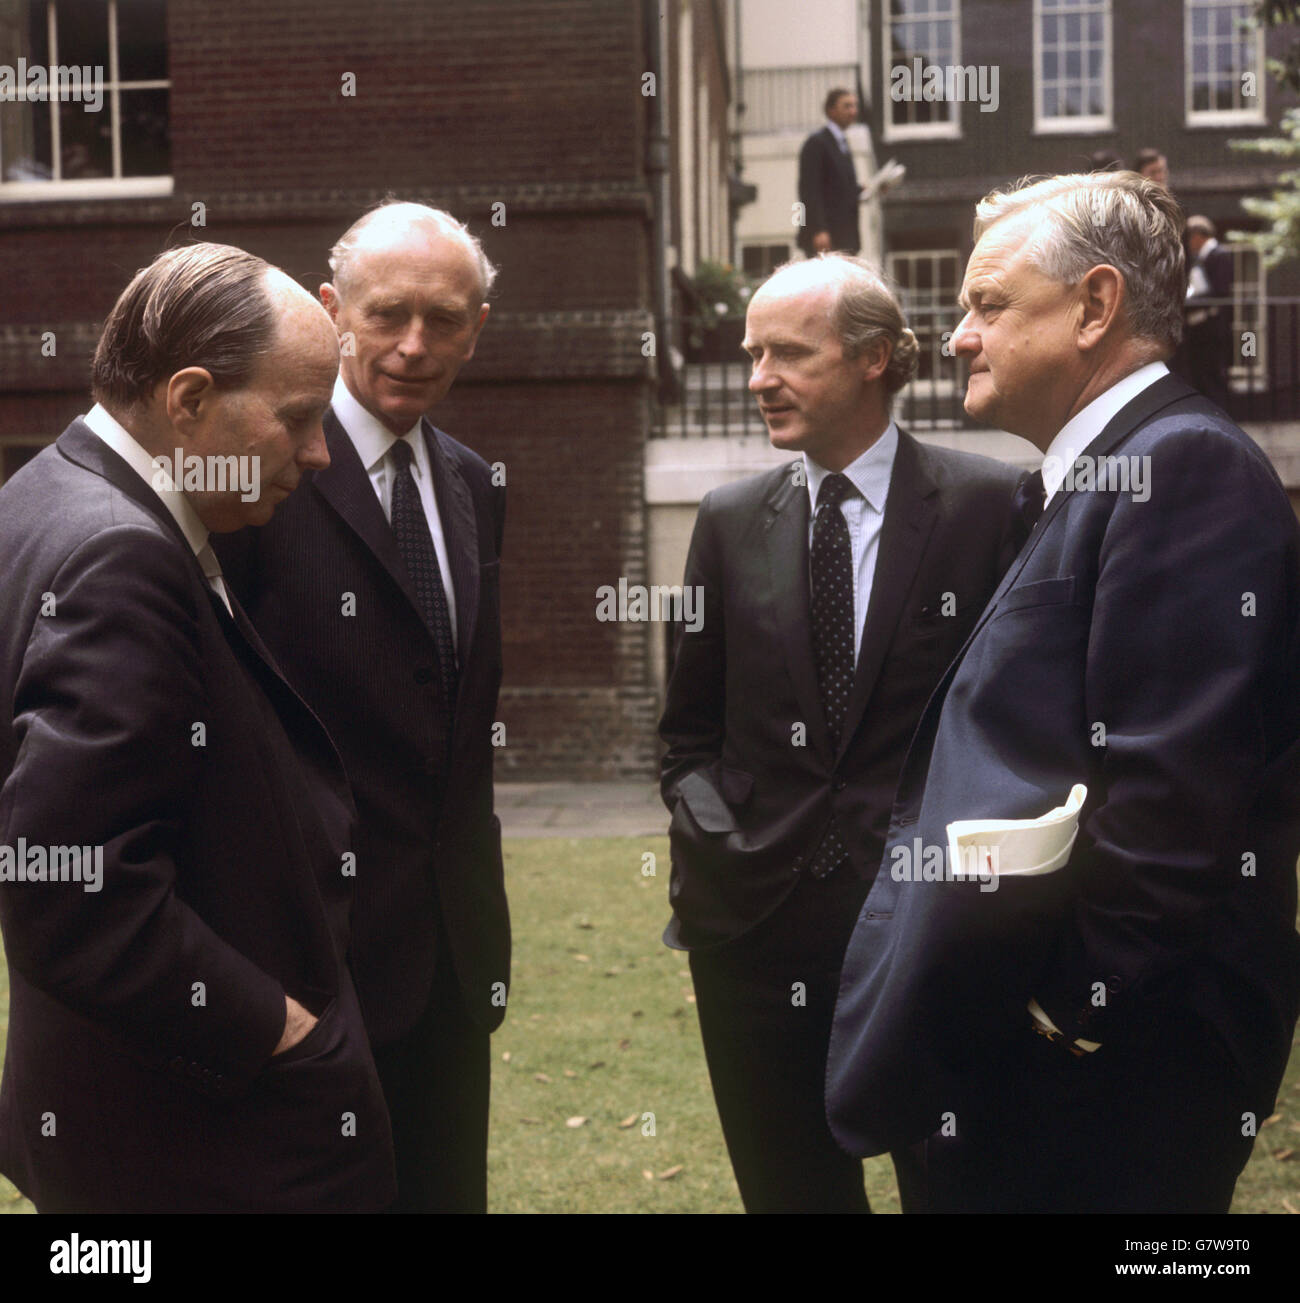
(1282, 210)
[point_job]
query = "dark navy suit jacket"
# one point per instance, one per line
(428, 842)
(146, 721)
(1150, 650)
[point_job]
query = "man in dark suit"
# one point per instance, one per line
(790, 707)
(378, 591)
(1097, 1024)
(828, 182)
(1208, 346)
(183, 1034)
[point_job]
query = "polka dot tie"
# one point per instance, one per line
(415, 544)
(832, 633)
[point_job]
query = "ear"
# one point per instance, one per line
(473, 339)
(1102, 295)
(329, 298)
(874, 359)
(190, 394)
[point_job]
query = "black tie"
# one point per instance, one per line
(832, 630)
(1028, 503)
(415, 544)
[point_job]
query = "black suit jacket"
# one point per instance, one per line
(828, 190)
(750, 774)
(428, 843)
(145, 721)
(1174, 624)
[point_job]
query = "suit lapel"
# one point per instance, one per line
(460, 533)
(1168, 389)
(346, 486)
(905, 531)
(786, 534)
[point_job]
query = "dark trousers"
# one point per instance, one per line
(1152, 1127)
(436, 1081)
(765, 1003)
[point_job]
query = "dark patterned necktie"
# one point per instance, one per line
(832, 633)
(415, 544)
(1029, 502)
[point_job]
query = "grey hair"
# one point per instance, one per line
(867, 310)
(1117, 218)
(344, 251)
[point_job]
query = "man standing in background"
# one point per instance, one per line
(828, 181)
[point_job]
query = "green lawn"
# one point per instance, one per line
(601, 1027)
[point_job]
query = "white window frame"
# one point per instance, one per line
(1254, 291)
(116, 186)
(892, 131)
(1084, 124)
(1221, 117)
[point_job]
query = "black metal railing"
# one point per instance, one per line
(714, 399)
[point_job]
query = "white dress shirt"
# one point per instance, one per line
(373, 442)
(1083, 427)
(120, 440)
(863, 512)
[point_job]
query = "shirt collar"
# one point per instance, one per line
(869, 473)
(154, 471)
(838, 132)
(1083, 427)
(370, 436)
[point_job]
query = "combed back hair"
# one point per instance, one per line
(833, 97)
(1118, 218)
(399, 211)
(203, 305)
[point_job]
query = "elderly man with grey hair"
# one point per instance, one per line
(1088, 1005)
(835, 589)
(379, 594)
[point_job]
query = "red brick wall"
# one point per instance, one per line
(534, 104)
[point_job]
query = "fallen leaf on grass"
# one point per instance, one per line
(624, 1043)
(505, 1056)
(576, 1121)
(648, 1174)
(542, 1077)
(600, 1063)
(532, 1122)
(629, 1121)
(1268, 1122)
(1283, 1154)
(583, 959)
(1286, 1203)
(569, 1072)
(670, 1173)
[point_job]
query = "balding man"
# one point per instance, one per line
(183, 1035)
(1119, 741)
(835, 590)
(378, 592)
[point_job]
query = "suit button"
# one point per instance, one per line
(424, 674)
(839, 784)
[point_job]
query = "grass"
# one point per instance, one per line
(602, 1027)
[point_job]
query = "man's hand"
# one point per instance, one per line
(297, 1023)
(822, 242)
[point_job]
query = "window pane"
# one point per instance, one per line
(23, 33)
(85, 143)
(142, 40)
(146, 139)
(82, 33)
(25, 142)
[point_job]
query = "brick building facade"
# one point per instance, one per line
(527, 120)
